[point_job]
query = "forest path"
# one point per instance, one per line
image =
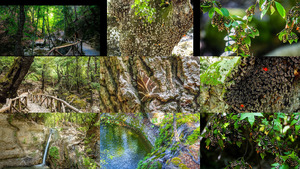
(35, 108)
(89, 51)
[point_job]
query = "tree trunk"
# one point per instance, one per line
(19, 48)
(138, 37)
(75, 11)
(35, 31)
(43, 77)
(10, 83)
(48, 30)
(77, 75)
(175, 84)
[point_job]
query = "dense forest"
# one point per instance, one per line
(36, 30)
(73, 79)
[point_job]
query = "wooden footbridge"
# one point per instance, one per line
(37, 103)
(73, 49)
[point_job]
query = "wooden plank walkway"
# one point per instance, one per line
(35, 108)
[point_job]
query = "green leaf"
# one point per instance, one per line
(235, 24)
(211, 12)
(207, 141)
(250, 116)
(275, 164)
(206, 9)
(250, 18)
(294, 122)
(221, 143)
(262, 155)
(225, 11)
(238, 143)
(264, 12)
(281, 35)
(297, 127)
(248, 40)
(261, 2)
(228, 25)
(284, 166)
(236, 126)
(280, 9)
(218, 10)
(272, 9)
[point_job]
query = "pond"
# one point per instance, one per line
(125, 145)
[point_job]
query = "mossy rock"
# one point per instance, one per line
(183, 166)
(218, 72)
(176, 161)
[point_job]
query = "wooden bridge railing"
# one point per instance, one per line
(18, 104)
(73, 48)
(53, 103)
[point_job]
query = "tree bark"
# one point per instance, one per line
(10, 83)
(43, 77)
(19, 48)
(176, 88)
(138, 37)
(35, 31)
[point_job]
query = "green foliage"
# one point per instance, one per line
(90, 163)
(271, 134)
(239, 29)
(250, 116)
(191, 139)
(144, 10)
(54, 152)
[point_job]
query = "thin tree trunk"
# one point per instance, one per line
(48, 30)
(43, 77)
(75, 11)
(36, 27)
(19, 48)
(77, 74)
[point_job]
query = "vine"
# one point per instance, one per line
(239, 32)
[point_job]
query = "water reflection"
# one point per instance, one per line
(127, 147)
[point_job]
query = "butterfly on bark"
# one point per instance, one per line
(146, 86)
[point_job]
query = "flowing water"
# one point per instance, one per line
(125, 145)
(40, 166)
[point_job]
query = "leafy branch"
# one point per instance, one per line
(240, 33)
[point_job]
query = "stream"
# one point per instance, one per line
(125, 145)
(40, 166)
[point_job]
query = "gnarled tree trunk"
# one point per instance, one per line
(10, 83)
(171, 84)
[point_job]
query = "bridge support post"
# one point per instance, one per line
(19, 102)
(10, 108)
(26, 103)
(58, 106)
(51, 104)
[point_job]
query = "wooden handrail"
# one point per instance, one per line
(11, 104)
(61, 104)
(63, 46)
